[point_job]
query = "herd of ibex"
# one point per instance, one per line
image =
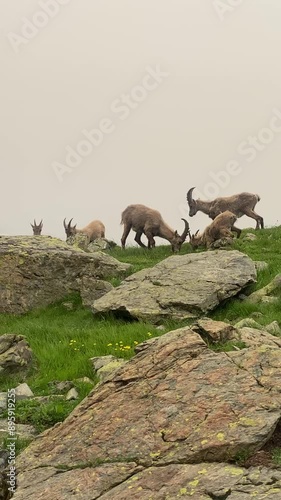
(144, 220)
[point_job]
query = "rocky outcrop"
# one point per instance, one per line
(180, 287)
(15, 354)
(266, 294)
(143, 432)
(127, 481)
(36, 271)
(82, 241)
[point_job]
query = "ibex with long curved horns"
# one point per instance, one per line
(239, 204)
(93, 230)
(144, 220)
(37, 228)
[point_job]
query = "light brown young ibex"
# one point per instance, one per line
(93, 230)
(37, 228)
(221, 227)
(239, 204)
(144, 220)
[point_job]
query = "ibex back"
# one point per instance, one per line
(144, 220)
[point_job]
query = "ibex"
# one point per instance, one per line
(220, 228)
(37, 228)
(239, 204)
(93, 230)
(144, 220)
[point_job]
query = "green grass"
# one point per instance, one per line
(276, 456)
(63, 341)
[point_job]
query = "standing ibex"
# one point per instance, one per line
(144, 220)
(93, 230)
(240, 204)
(37, 228)
(220, 228)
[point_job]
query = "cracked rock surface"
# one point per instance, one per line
(38, 270)
(160, 425)
(180, 287)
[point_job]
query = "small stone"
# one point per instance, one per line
(23, 391)
(100, 361)
(72, 394)
(3, 401)
(273, 328)
(69, 306)
(249, 237)
(61, 386)
(248, 322)
(84, 380)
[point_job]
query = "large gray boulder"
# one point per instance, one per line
(38, 270)
(162, 426)
(180, 287)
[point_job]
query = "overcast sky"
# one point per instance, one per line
(105, 103)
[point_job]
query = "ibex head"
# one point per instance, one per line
(178, 240)
(69, 230)
(194, 240)
(191, 202)
(37, 228)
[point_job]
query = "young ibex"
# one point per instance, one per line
(144, 220)
(37, 228)
(239, 204)
(93, 230)
(220, 228)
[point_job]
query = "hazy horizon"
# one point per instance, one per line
(110, 103)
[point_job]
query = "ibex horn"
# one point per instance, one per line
(189, 195)
(186, 230)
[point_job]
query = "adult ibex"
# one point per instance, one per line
(37, 228)
(239, 204)
(221, 227)
(144, 220)
(93, 230)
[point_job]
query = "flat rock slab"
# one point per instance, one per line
(127, 481)
(180, 287)
(176, 402)
(38, 270)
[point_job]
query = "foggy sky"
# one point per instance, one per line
(179, 93)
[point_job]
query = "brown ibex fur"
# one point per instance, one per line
(37, 228)
(144, 220)
(221, 227)
(239, 204)
(93, 230)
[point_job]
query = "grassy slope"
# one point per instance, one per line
(63, 341)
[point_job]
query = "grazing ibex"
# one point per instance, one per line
(220, 228)
(239, 204)
(144, 220)
(93, 230)
(37, 228)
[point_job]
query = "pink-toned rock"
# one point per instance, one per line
(175, 403)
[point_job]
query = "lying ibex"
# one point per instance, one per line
(144, 220)
(93, 230)
(239, 204)
(220, 228)
(37, 228)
